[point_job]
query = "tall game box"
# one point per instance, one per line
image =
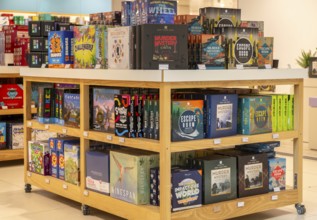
(71, 110)
(157, 11)
(187, 120)
(15, 135)
(60, 49)
(254, 115)
(3, 135)
(120, 48)
(103, 109)
(165, 44)
(72, 161)
(265, 52)
(221, 17)
(39, 157)
(122, 112)
(221, 113)
(277, 174)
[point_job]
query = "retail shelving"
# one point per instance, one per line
(166, 81)
(11, 72)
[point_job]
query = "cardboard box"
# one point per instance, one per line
(14, 33)
(11, 95)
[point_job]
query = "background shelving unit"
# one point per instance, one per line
(165, 81)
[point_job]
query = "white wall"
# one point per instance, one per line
(290, 22)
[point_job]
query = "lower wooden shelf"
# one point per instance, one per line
(6, 155)
(120, 208)
(54, 185)
(240, 207)
(34, 124)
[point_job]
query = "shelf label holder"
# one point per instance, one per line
(217, 141)
(240, 204)
(274, 197)
(245, 139)
(163, 66)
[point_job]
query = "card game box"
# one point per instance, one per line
(46, 105)
(186, 189)
(187, 120)
(47, 27)
(72, 161)
(71, 110)
(242, 46)
(3, 135)
(60, 49)
(15, 133)
(101, 47)
(290, 124)
(265, 52)
(39, 157)
(157, 11)
(35, 59)
(98, 171)
(221, 114)
(166, 44)
(21, 49)
(254, 24)
(130, 177)
(122, 114)
(37, 44)
(277, 174)
(34, 29)
(252, 173)
(55, 163)
(103, 118)
(221, 17)
(120, 48)
(254, 115)
(14, 33)
(11, 95)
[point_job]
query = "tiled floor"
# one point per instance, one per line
(15, 204)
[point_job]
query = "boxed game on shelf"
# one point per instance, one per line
(2, 48)
(277, 174)
(265, 52)
(11, 96)
(220, 17)
(39, 157)
(14, 33)
(20, 51)
(124, 116)
(126, 13)
(254, 24)
(71, 109)
(3, 135)
(72, 161)
(15, 133)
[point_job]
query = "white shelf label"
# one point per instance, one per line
(109, 137)
(44, 65)
(201, 66)
(47, 181)
(240, 67)
(65, 186)
(98, 66)
(163, 66)
(277, 189)
(47, 127)
(276, 136)
(29, 124)
(240, 204)
(64, 130)
(85, 133)
(29, 174)
(245, 139)
(67, 66)
(268, 66)
(217, 141)
(86, 193)
(275, 197)
(4, 107)
(121, 140)
(217, 209)
(33, 106)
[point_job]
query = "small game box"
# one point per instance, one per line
(71, 110)
(39, 157)
(157, 11)
(277, 174)
(16, 135)
(3, 135)
(265, 52)
(72, 161)
(122, 114)
(11, 95)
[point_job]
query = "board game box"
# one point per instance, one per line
(71, 110)
(55, 163)
(3, 135)
(15, 135)
(46, 105)
(157, 11)
(37, 44)
(72, 162)
(11, 95)
(122, 115)
(221, 17)
(166, 44)
(98, 171)
(254, 24)
(60, 49)
(187, 120)
(35, 59)
(39, 157)
(274, 113)
(103, 118)
(290, 125)
(265, 52)
(254, 115)
(221, 115)
(120, 48)
(277, 174)
(126, 12)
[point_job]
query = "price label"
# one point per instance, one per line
(47, 181)
(85, 134)
(275, 197)
(65, 186)
(86, 193)
(217, 209)
(44, 65)
(276, 136)
(64, 130)
(29, 174)
(4, 107)
(240, 67)
(201, 66)
(217, 141)
(109, 137)
(98, 66)
(245, 139)
(268, 66)
(240, 204)
(29, 124)
(47, 127)
(33, 106)
(277, 189)
(67, 66)
(121, 140)
(163, 66)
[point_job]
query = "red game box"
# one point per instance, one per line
(12, 34)
(11, 96)
(21, 49)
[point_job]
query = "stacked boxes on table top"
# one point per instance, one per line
(112, 18)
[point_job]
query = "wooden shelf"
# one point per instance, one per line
(6, 155)
(138, 143)
(34, 124)
(9, 71)
(230, 209)
(16, 111)
(231, 141)
(120, 208)
(54, 185)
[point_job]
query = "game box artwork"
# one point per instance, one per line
(46, 105)
(60, 49)
(123, 115)
(39, 157)
(11, 95)
(221, 17)
(277, 174)
(157, 11)
(187, 120)
(71, 110)
(103, 109)
(3, 135)
(254, 115)
(254, 24)
(166, 44)
(15, 135)
(72, 158)
(265, 52)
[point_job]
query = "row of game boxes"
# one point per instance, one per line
(11, 135)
